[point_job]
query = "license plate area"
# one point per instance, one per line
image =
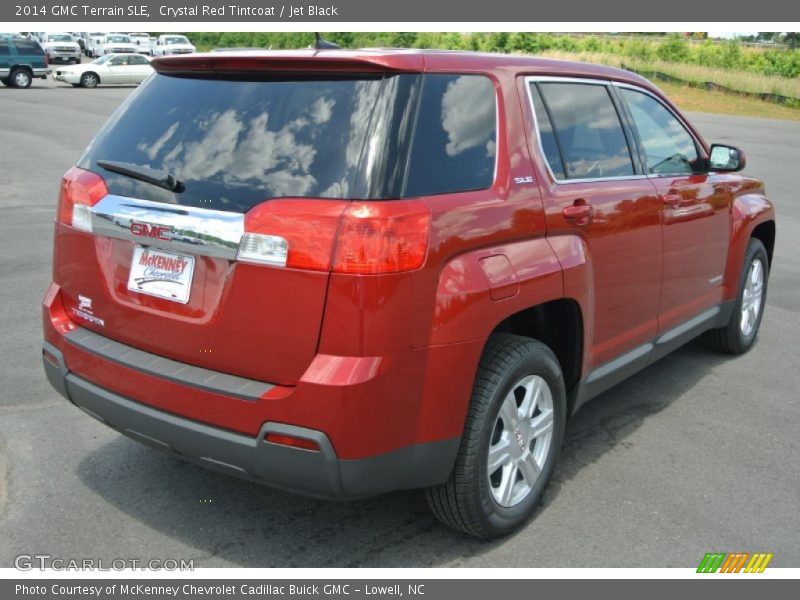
(161, 274)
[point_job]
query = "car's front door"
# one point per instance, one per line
(695, 212)
(118, 69)
(595, 194)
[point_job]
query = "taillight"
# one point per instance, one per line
(291, 232)
(362, 238)
(80, 190)
(382, 237)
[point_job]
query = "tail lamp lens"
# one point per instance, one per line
(290, 440)
(361, 238)
(382, 237)
(80, 190)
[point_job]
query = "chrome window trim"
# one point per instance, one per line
(608, 83)
(201, 231)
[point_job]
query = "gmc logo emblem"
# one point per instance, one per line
(159, 232)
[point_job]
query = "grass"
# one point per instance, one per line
(744, 81)
(693, 99)
(689, 98)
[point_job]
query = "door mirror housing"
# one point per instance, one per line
(725, 158)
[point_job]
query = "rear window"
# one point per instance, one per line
(234, 143)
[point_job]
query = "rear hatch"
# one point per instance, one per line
(213, 197)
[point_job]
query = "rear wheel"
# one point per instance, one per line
(20, 78)
(511, 440)
(5, 82)
(740, 333)
(89, 80)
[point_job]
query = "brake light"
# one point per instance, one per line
(382, 237)
(80, 190)
(291, 232)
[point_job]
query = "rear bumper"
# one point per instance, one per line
(315, 473)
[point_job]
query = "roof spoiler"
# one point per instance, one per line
(315, 61)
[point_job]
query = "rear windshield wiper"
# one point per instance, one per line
(157, 177)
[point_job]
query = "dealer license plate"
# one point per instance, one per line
(161, 274)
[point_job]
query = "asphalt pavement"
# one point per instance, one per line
(697, 453)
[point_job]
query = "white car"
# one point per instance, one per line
(111, 68)
(142, 42)
(173, 44)
(117, 43)
(61, 47)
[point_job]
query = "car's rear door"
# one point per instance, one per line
(138, 68)
(696, 208)
(5, 59)
(594, 193)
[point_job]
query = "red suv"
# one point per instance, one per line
(343, 273)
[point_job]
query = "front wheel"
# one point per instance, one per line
(511, 441)
(89, 80)
(739, 335)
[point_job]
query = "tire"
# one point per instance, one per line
(5, 82)
(739, 335)
(20, 78)
(491, 503)
(89, 80)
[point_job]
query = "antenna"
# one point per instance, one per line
(322, 44)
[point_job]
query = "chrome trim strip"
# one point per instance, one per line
(165, 368)
(192, 230)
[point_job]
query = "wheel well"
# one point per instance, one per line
(765, 232)
(21, 68)
(91, 73)
(557, 324)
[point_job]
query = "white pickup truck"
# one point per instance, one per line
(142, 42)
(117, 43)
(172, 44)
(61, 47)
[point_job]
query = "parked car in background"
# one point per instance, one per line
(94, 44)
(142, 42)
(117, 43)
(169, 44)
(108, 69)
(409, 277)
(61, 47)
(20, 62)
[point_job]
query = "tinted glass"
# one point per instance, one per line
(546, 135)
(667, 145)
(588, 130)
(118, 61)
(237, 143)
(455, 140)
(28, 48)
(4, 49)
(137, 60)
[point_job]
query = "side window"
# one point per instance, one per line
(546, 135)
(587, 129)
(455, 138)
(29, 48)
(118, 61)
(668, 147)
(135, 59)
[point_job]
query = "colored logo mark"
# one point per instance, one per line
(735, 562)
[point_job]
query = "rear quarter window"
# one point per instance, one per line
(455, 139)
(29, 48)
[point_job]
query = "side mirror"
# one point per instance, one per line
(725, 158)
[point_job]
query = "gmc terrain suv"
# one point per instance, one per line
(343, 273)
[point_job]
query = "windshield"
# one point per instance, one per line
(59, 38)
(176, 39)
(118, 39)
